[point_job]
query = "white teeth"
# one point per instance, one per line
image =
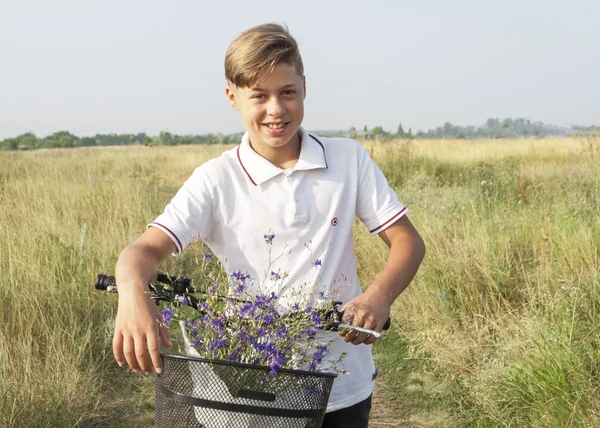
(275, 126)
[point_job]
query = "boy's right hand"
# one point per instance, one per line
(137, 332)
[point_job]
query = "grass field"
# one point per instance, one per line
(501, 326)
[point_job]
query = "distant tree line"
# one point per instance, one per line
(493, 128)
(64, 139)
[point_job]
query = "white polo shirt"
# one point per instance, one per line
(232, 201)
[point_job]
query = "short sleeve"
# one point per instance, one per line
(187, 218)
(377, 204)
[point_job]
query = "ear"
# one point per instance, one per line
(231, 97)
(304, 83)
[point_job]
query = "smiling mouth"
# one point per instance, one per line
(275, 125)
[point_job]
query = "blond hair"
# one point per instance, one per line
(253, 54)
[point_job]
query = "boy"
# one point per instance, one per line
(298, 192)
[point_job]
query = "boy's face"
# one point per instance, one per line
(273, 109)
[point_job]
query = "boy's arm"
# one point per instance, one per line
(136, 328)
(372, 308)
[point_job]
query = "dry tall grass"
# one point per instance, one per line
(505, 307)
(507, 303)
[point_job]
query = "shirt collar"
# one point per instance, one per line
(259, 170)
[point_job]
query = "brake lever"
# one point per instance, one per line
(334, 322)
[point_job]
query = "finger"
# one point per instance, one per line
(354, 320)
(349, 314)
(360, 338)
(154, 351)
(348, 319)
(349, 336)
(346, 306)
(164, 336)
(129, 351)
(368, 323)
(370, 339)
(117, 347)
(141, 353)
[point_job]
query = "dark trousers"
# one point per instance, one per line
(356, 416)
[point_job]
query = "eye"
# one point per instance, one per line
(289, 92)
(258, 96)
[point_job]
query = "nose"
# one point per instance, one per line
(275, 107)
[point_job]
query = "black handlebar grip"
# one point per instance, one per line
(104, 281)
(387, 324)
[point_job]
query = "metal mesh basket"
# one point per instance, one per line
(200, 393)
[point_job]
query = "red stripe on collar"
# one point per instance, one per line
(243, 167)
(322, 147)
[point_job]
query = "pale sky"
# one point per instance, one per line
(110, 66)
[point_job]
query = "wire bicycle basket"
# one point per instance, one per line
(205, 393)
(200, 393)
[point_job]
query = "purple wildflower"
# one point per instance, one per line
(317, 262)
(269, 238)
(275, 276)
(234, 357)
(246, 309)
(259, 346)
(239, 276)
(315, 318)
(167, 315)
(264, 301)
(277, 361)
(311, 333)
(207, 256)
(318, 356)
(281, 332)
(217, 344)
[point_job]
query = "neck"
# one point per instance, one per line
(283, 157)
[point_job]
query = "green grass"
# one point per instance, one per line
(499, 328)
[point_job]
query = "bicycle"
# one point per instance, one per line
(207, 393)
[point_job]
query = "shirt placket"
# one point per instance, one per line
(299, 215)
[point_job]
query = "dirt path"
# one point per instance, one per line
(406, 395)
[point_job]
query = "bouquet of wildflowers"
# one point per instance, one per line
(238, 325)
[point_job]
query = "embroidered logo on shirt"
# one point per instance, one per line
(334, 222)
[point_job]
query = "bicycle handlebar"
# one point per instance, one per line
(182, 287)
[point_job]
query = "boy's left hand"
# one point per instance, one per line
(367, 311)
